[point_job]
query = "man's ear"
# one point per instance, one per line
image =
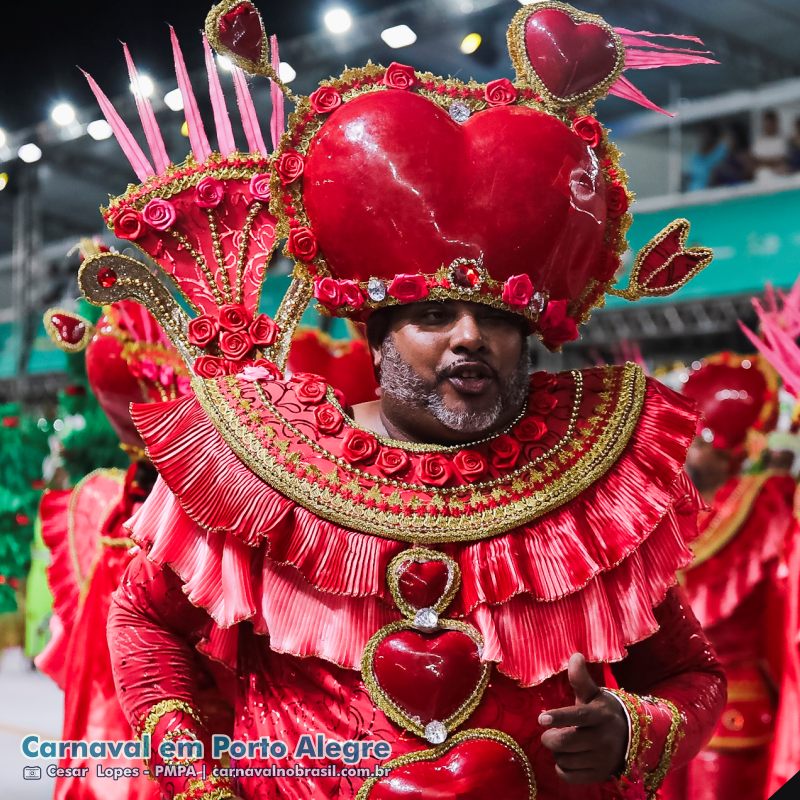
(375, 351)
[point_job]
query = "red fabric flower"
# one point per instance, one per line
(543, 403)
(504, 452)
(328, 292)
(351, 294)
(210, 367)
(400, 76)
(159, 214)
(235, 344)
(264, 330)
(303, 243)
(233, 317)
(408, 288)
(312, 390)
(530, 430)
(470, 464)
(393, 462)
(325, 100)
(259, 186)
(209, 192)
(555, 326)
(517, 291)
(434, 469)
(290, 167)
(543, 380)
(500, 92)
(359, 446)
(617, 200)
(128, 225)
(329, 419)
(203, 330)
(589, 129)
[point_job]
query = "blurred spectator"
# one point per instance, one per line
(737, 166)
(794, 147)
(770, 148)
(711, 151)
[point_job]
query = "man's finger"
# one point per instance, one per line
(579, 716)
(570, 740)
(579, 776)
(581, 681)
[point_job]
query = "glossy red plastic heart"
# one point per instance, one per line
(422, 583)
(393, 185)
(428, 675)
(241, 31)
(570, 57)
(475, 769)
(69, 329)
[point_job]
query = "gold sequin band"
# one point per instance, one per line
(633, 705)
(181, 735)
(134, 452)
(159, 710)
(653, 780)
(212, 788)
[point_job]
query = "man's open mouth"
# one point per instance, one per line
(472, 377)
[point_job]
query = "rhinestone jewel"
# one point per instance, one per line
(376, 289)
(465, 276)
(426, 619)
(435, 732)
(106, 277)
(538, 302)
(459, 112)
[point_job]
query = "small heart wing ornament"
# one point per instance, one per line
(234, 28)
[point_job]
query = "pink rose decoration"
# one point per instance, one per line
(128, 225)
(408, 288)
(325, 100)
(209, 192)
(203, 330)
(159, 214)
(233, 317)
(517, 291)
(259, 186)
(328, 292)
(399, 76)
(235, 344)
(264, 330)
(500, 92)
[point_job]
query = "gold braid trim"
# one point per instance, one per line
(159, 710)
(653, 780)
(212, 788)
(632, 704)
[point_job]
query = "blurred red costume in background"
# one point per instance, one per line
(733, 583)
(362, 588)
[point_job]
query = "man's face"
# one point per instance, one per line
(451, 370)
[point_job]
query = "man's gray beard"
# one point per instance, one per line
(399, 381)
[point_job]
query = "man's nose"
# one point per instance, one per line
(466, 333)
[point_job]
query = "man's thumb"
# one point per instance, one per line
(581, 681)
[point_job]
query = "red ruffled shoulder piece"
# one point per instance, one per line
(585, 573)
(71, 529)
(743, 534)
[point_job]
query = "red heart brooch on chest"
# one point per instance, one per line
(570, 57)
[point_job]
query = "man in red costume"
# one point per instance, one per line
(733, 583)
(438, 583)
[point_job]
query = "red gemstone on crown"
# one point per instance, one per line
(423, 583)
(241, 31)
(106, 277)
(69, 329)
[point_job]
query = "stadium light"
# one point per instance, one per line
(29, 153)
(99, 129)
(338, 20)
(399, 36)
(63, 114)
(470, 43)
(174, 100)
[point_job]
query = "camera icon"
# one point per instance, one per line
(32, 773)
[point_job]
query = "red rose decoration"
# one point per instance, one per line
(471, 464)
(290, 167)
(210, 367)
(408, 288)
(209, 192)
(264, 330)
(434, 469)
(128, 225)
(233, 317)
(500, 92)
(543, 380)
(325, 100)
(504, 452)
(259, 186)
(303, 243)
(328, 292)
(359, 446)
(329, 419)
(517, 291)
(530, 430)
(393, 462)
(159, 214)
(203, 330)
(542, 403)
(617, 200)
(555, 326)
(350, 294)
(589, 129)
(312, 390)
(400, 76)
(235, 344)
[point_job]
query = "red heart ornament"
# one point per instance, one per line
(429, 676)
(69, 329)
(571, 57)
(236, 29)
(472, 766)
(393, 185)
(423, 583)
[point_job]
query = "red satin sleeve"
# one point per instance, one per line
(152, 633)
(681, 689)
